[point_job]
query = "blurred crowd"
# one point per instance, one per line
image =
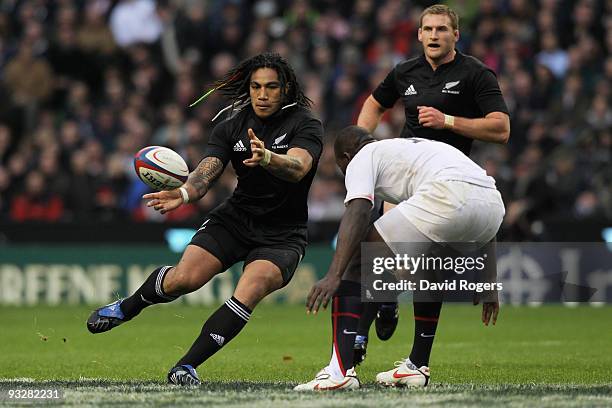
(86, 83)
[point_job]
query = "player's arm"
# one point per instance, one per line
(198, 183)
(371, 114)
(203, 177)
(353, 230)
(382, 98)
(494, 127)
(291, 167)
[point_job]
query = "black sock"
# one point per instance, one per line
(426, 316)
(368, 314)
(221, 327)
(346, 311)
(151, 292)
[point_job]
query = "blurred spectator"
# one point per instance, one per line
(82, 188)
(36, 203)
(135, 21)
(5, 143)
(551, 56)
(600, 113)
(110, 197)
(56, 180)
(587, 206)
(94, 36)
(5, 180)
(29, 79)
(69, 61)
(173, 132)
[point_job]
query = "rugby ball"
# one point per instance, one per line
(160, 168)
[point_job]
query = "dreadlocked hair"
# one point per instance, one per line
(235, 84)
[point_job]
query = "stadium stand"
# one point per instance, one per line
(86, 83)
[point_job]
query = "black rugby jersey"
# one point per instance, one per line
(464, 87)
(259, 192)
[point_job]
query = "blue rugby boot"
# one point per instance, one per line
(359, 349)
(184, 375)
(106, 318)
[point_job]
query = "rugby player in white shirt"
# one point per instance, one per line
(441, 196)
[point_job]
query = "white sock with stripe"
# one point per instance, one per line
(334, 367)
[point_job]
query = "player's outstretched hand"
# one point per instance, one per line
(257, 149)
(321, 292)
(164, 201)
(490, 310)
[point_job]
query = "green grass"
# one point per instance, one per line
(550, 356)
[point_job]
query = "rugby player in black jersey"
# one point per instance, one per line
(274, 144)
(450, 97)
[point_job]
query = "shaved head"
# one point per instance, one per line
(351, 139)
(348, 142)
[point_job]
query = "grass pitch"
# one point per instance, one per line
(547, 356)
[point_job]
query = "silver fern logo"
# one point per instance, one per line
(449, 85)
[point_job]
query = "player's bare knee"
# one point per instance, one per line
(273, 282)
(250, 295)
(171, 281)
(178, 281)
(267, 283)
(254, 286)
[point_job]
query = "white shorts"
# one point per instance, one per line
(445, 211)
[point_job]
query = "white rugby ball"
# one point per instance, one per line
(160, 168)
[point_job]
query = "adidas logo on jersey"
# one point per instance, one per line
(219, 339)
(239, 147)
(410, 90)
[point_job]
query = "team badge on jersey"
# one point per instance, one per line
(449, 88)
(277, 142)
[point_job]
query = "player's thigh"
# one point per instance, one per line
(401, 235)
(485, 210)
(259, 278)
(219, 238)
(455, 211)
(196, 267)
(213, 249)
(267, 269)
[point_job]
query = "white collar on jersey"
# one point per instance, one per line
(242, 105)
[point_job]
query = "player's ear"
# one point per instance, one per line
(420, 35)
